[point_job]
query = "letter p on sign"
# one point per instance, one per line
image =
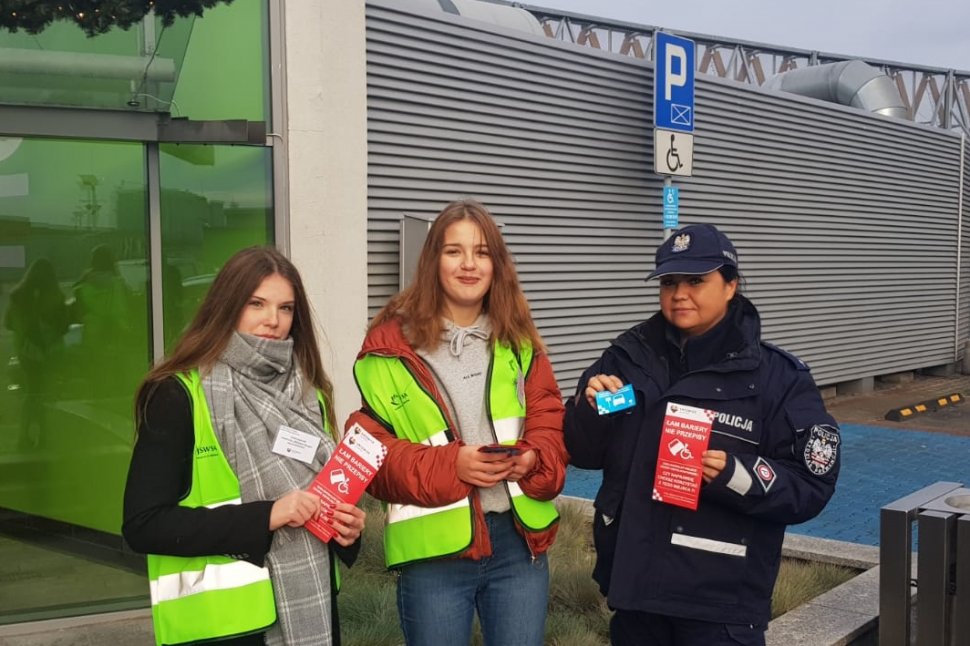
(676, 69)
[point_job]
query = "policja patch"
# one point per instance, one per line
(822, 449)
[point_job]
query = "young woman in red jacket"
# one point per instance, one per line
(455, 382)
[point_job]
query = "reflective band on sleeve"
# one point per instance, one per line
(736, 437)
(397, 513)
(708, 545)
(224, 576)
(741, 481)
(509, 429)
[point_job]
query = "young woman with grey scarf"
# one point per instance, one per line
(232, 429)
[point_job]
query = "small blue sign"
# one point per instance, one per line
(673, 82)
(671, 207)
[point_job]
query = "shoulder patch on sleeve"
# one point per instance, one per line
(795, 361)
(766, 475)
(822, 449)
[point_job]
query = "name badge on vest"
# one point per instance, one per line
(291, 443)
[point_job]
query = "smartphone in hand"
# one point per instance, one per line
(508, 449)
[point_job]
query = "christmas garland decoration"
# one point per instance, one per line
(95, 16)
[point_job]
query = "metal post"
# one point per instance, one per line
(895, 572)
(948, 96)
(895, 562)
(959, 250)
(153, 170)
(961, 606)
(935, 557)
(668, 182)
(278, 135)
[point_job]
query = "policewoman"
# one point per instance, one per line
(455, 382)
(232, 428)
(704, 577)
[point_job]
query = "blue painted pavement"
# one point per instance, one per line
(879, 465)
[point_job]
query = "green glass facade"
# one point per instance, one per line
(78, 325)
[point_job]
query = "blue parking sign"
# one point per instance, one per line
(671, 207)
(673, 83)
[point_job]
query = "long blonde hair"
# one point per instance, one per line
(420, 307)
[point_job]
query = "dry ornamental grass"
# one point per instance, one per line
(578, 615)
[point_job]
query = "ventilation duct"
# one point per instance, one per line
(496, 14)
(853, 83)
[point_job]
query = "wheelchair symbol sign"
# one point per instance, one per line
(673, 153)
(671, 207)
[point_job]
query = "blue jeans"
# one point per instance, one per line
(437, 599)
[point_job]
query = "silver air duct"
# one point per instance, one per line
(852, 83)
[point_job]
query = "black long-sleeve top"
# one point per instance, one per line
(160, 475)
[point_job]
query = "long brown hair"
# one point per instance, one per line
(421, 305)
(207, 336)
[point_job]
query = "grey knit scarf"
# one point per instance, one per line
(253, 390)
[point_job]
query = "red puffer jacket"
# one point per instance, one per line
(416, 474)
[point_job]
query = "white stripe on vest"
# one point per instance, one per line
(233, 501)
(508, 429)
(224, 576)
(438, 439)
(398, 513)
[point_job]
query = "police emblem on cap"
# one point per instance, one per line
(822, 449)
(681, 243)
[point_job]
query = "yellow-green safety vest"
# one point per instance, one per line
(206, 597)
(414, 533)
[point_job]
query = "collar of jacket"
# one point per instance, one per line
(388, 340)
(646, 344)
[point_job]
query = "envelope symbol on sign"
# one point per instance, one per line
(680, 114)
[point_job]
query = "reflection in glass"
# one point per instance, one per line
(210, 210)
(74, 342)
(37, 316)
(75, 327)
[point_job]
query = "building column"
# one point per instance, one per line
(324, 135)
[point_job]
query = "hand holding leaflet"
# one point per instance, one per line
(346, 474)
(683, 439)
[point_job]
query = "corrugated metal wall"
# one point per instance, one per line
(846, 223)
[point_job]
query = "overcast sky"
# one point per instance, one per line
(918, 32)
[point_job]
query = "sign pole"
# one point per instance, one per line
(668, 183)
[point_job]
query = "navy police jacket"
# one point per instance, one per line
(718, 563)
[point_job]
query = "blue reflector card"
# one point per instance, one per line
(607, 402)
